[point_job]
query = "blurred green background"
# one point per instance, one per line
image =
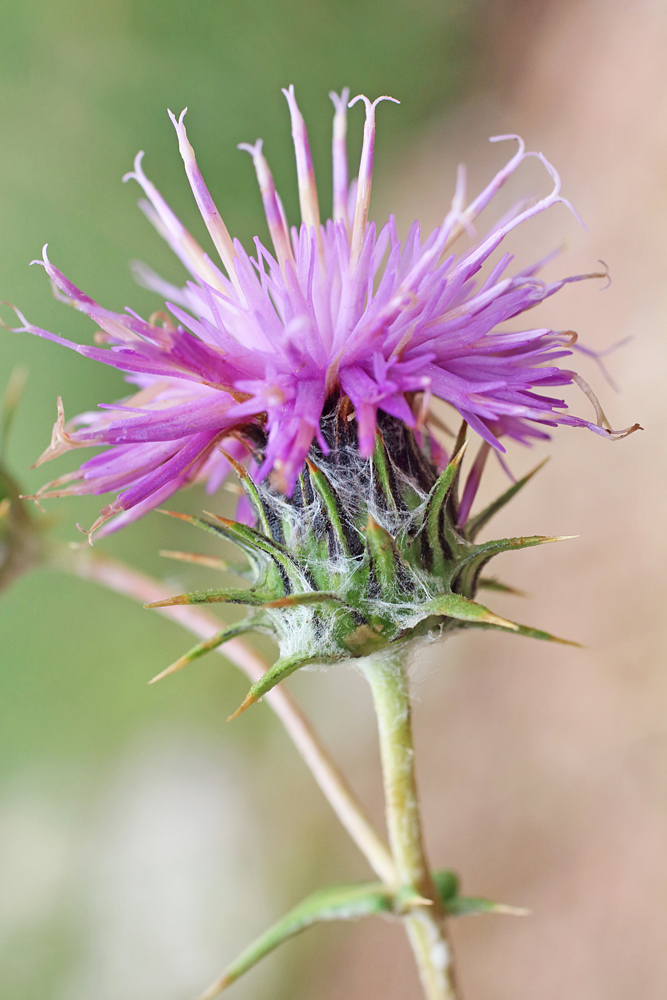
(84, 87)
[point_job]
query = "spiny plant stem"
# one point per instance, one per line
(425, 925)
(89, 564)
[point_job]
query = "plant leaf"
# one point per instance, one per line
(309, 597)
(536, 633)
(440, 542)
(350, 902)
(469, 566)
(224, 635)
(265, 517)
(344, 533)
(252, 541)
(261, 551)
(345, 902)
(462, 609)
(490, 583)
(229, 596)
(210, 562)
(281, 669)
(384, 555)
(468, 906)
(475, 524)
(447, 885)
(383, 473)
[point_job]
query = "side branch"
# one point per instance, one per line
(91, 565)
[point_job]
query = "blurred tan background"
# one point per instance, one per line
(141, 841)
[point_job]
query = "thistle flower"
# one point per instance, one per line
(260, 347)
(310, 372)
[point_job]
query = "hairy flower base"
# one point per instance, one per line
(366, 553)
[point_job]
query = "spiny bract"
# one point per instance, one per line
(366, 553)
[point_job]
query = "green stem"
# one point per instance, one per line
(425, 925)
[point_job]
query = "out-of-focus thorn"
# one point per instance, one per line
(249, 700)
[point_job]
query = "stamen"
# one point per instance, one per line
(399, 350)
(61, 441)
(172, 229)
(365, 176)
(275, 216)
(600, 417)
(484, 249)
(458, 208)
(460, 219)
(424, 405)
(460, 189)
(626, 432)
(105, 515)
(65, 291)
(598, 357)
(211, 216)
(310, 211)
(339, 156)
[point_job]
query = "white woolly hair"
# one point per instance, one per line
(309, 630)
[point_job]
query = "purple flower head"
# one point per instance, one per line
(261, 343)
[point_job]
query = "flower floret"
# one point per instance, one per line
(256, 348)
